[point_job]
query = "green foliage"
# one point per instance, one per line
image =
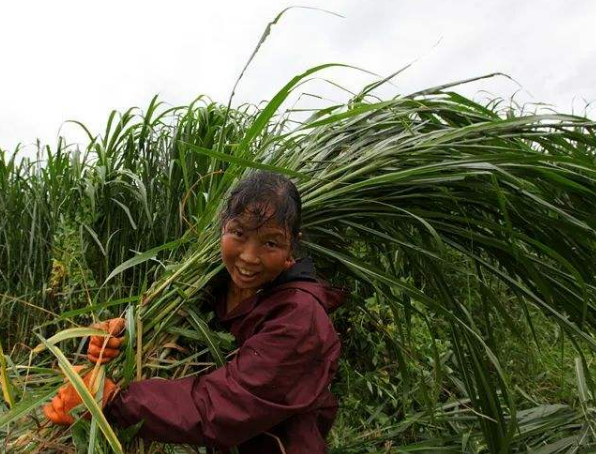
(88, 212)
(465, 233)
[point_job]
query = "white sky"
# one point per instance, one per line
(68, 59)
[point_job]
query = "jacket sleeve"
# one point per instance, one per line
(278, 372)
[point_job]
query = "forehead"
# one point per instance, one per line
(264, 225)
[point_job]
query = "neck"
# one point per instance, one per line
(237, 295)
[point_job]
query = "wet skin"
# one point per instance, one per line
(253, 256)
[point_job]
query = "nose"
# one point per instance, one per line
(250, 253)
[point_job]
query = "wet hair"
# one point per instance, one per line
(259, 193)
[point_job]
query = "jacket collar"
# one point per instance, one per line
(302, 270)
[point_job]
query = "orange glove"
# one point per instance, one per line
(58, 411)
(115, 327)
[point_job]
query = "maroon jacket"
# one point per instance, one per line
(275, 390)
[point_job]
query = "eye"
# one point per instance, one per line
(235, 232)
(271, 244)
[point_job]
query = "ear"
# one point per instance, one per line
(289, 262)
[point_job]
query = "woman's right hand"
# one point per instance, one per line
(58, 411)
(97, 352)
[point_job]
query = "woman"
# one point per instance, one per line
(273, 396)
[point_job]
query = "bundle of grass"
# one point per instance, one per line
(433, 203)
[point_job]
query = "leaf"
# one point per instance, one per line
(77, 382)
(130, 359)
(5, 380)
(141, 258)
(205, 333)
(244, 162)
(92, 308)
(127, 211)
(128, 434)
(255, 51)
(24, 407)
(95, 238)
(70, 334)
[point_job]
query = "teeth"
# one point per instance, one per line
(245, 272)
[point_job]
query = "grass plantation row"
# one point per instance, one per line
(465, 232)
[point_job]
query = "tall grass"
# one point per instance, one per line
(72, 215)
(448, 219)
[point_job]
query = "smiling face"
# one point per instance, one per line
(254, 254)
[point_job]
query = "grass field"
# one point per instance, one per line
(465, 233)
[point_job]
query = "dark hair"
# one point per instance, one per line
(260, 192)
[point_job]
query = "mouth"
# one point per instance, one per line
(246, 274)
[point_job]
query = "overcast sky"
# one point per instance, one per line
(67, 59)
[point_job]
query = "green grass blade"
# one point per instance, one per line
(25, 407)
(205, 333)
(5, 380)
(141, 258)
(130, 359)
(243, 162)
(77, 382)
(70, 333)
